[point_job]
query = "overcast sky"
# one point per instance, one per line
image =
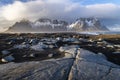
(15, 10)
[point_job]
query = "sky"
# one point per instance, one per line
(15, 10)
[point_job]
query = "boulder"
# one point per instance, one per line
(5, 52)
(21, 46)
(39, 47)
(70, 51)
(91, 66)
(8, 58)
(50, 55)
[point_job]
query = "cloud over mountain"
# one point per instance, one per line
(62, 9)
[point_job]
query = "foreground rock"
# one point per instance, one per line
(90, 66)
(40, 70)
(51, 69)
(77, 64)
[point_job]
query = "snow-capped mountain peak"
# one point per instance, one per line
(87, 24)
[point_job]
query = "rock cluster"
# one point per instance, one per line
(82, 65)
(66, 57)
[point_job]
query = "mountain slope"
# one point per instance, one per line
(87, 24)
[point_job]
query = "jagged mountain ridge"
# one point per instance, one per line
(44, 24)
(88, 24)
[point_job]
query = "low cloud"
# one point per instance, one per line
(115, 27)
(62, 9)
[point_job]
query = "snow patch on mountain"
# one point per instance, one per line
(87, 24)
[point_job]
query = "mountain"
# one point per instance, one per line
(87, 24)
(22, 26)
(48, 25)
(45, 24)
(39, 25)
